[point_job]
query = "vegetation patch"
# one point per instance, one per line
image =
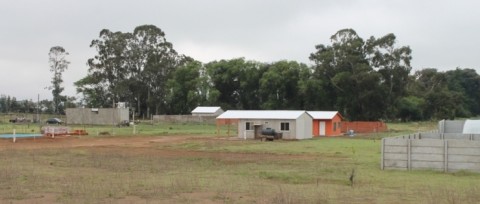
(286, 177)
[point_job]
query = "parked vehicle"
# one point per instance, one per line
(124, 123)
(20, 120)
(54, 121)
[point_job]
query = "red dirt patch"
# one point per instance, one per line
(143, 145)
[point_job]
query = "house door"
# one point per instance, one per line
(258, 131)
(321, 128)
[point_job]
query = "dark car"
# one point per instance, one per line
(19, 120)
(54, 121)
(124, 123)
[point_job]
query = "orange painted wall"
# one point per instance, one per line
(328, 127)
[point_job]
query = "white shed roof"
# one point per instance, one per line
(261, 114)
(322, 115)
(206, 109)
(471, 127)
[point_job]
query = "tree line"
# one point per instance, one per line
(363, 79)
(10, 104)
(368, 79)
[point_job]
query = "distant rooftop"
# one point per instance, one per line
(206, 109)
(261, 114)
(322, 115)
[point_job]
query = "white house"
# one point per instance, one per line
(292, 124)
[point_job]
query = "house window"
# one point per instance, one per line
(248, 126)
(284, 126)
(334, 126)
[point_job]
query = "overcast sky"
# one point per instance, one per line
(443, 34)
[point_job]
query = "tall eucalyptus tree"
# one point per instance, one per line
(58, 64)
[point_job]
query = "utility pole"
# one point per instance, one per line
(133, 116)
(38, 107)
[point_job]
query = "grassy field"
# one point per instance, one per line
(216, 170)
(142, 129)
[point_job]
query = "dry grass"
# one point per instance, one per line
(312, 171)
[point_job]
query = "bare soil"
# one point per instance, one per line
(142, 145)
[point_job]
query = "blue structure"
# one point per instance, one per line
(21, 135)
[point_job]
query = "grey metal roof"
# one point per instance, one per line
(322, 115)
(206, 109)
(261, 114)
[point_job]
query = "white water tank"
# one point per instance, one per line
(121, 105)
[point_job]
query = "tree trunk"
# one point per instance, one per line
(138, 104)
(148, 103)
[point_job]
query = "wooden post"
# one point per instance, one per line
(133, 118)
(228, 130)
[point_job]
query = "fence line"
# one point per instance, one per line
(363, 126)
(435, 151)
(184, 119)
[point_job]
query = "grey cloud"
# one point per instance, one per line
(442, 34)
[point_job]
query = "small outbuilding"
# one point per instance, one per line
(326, 123)
(291, 124)
(207, 111)
(96, 116)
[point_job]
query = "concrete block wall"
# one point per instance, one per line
(96, 116)
(450, 126)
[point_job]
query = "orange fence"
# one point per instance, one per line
(226, 122)
(364, 126)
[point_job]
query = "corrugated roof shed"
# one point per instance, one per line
(322, 115)
(206, 109)
(261, 114)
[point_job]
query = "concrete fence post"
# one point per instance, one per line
(409, 155)
(445, 159)
(382, 163)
